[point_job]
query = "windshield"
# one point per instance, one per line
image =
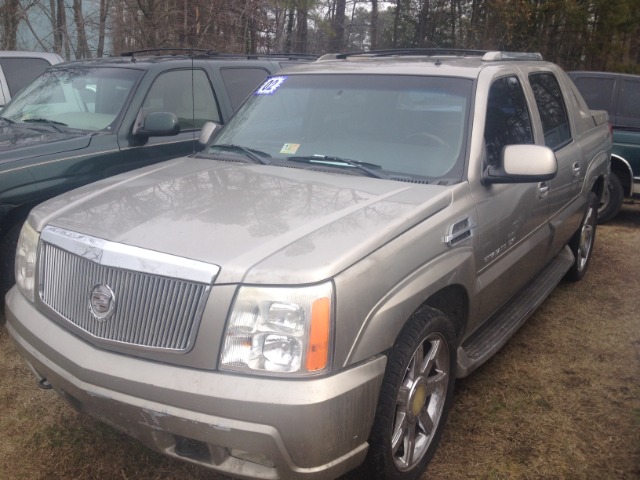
(76, 97)
(407, 125)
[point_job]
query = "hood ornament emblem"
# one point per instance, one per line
(102, 302)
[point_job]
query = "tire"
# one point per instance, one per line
(583, 240)
(415, 398)
(612, 199)
(8, 245)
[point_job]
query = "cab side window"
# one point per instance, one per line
(174, 92)
(508, 121)
(553, 112)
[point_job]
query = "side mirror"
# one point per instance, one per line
(209, 130)
(156, 124)
(523, 164)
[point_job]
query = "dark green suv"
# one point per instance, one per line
(83, 121)
(619, 94)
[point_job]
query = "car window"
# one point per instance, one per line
(596, 91)
(508, 121)
(19, 72)
(630, 98)
(553, 112)
(77, 97)
(414, 125)
(173, 92)
(240, 82)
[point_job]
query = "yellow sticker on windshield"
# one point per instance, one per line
(290, 148)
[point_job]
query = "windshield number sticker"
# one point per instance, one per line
(270, 86)
(290, 148)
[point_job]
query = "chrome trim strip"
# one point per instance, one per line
(121, 256)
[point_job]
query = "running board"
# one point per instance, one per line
(498, 329)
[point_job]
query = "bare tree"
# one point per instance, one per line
(337, 26)
(102, 26)
(374, 24)
(10, 14)
(82, 50)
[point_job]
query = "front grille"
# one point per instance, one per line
(151, 310)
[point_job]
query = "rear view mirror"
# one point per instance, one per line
(157, 124)
(523, 164)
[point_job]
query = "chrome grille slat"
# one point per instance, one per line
(152, 311)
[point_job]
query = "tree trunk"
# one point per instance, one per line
(102, 24)
(10, 19)
(83, 47)
(337, 40)
(374, 24)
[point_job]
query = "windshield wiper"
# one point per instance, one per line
(371, 169)
(7, 120)
(46, 121)
(255, 155)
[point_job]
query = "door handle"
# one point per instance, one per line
(576, 169)
(543, 189)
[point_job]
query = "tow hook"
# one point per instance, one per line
(44, 384)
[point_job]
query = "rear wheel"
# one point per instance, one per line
(415, 398)
(612, 199)
(582, 242)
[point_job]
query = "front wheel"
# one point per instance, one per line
(582, 242)
(415, 398)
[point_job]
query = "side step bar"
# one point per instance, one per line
(496, 331)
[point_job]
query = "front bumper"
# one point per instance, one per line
(248, 427)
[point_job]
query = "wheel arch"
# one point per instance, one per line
(443, 284)
(622, 169)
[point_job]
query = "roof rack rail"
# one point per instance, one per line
(496, 56)
(165, 50)
(407, 51)
(487, 55)
(213, 53)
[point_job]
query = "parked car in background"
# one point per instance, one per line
(297, 299)
(619, 94)
(83, 121)
(19, 69)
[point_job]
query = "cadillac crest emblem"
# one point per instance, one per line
(102, 302)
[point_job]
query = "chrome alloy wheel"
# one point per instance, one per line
(586, 238)
(420, 402)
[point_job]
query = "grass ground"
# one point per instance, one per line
(560, 401)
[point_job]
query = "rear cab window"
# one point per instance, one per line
(552, 109)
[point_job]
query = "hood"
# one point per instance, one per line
(258, 223)
(20, 142)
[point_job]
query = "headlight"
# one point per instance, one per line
(26, 254)
(280, 331)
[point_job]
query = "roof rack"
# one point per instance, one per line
(458, 52)
(497, 56)
(406, 51)
(213, 53)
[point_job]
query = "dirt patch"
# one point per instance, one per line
(560, 401)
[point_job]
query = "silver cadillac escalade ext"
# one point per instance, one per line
(297, 300)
